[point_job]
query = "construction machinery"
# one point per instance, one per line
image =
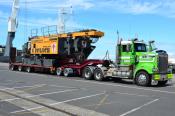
(60, 49)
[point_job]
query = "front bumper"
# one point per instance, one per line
(163, 77)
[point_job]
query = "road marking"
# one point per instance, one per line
(3, 70)
(11, 88)
(69, 90)
(61, 86)
(106, 103)
(75, 99)
(118, 85)
(132, 94)
(138, 108)
(102, 101)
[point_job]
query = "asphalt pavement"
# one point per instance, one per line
(34, 94)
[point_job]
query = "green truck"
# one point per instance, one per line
(134, 60)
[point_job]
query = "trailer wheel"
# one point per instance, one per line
(98, 75)
(87, 73)
(20, 68)
(28, 69)
(162, 83)
(12, 67)
(68, 72)
(59, 72)
(142, 79)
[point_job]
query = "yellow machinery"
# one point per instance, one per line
(59, 49)
(50, 44)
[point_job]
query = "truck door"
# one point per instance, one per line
(127, 57)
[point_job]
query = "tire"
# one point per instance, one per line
(142, 79)
(162, 83)
(98, 75)
(52, 72)
(12, 67)
(20, 68)
(87, 73)
(59, 72)
(67, 72)
(28, 69)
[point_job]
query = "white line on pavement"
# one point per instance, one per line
(11, 88)
(69, 90)
(75, 99)
(138, 108)
(132, 94)
(61, 86)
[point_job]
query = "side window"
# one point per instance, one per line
(126, 48)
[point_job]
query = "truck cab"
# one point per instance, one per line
(138, 61)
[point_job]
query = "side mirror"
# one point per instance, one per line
(152, 46)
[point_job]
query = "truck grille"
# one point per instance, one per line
(163, 63)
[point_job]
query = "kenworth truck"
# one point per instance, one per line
(134, 60)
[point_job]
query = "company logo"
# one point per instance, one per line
(54, 47)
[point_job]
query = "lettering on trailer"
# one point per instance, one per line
(41, 50)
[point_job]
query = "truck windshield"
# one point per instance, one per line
(140, 47)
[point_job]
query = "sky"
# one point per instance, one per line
(145, 19)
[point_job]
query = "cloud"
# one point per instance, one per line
(136, 7)
(130, 6)
(49, 7)
(85, 4)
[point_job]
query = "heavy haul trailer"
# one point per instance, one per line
(53, 51)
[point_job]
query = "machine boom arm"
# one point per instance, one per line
(12, 25)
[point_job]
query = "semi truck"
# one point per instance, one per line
(66, 55)
(135, 60)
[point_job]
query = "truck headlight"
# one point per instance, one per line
(155, 69)
(170, 70)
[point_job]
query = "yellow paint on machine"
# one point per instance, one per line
(44, 45)
(49, 44)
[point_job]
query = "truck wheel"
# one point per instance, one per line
(20, 68)
(162, 83)
(59, 72)
(28, 69)
(68, 72)
(98, 75)
(87, 73)
(52, 72)
(142, 79)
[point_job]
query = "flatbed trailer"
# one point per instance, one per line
(65, 70)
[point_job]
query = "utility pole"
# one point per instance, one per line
(117, 48)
